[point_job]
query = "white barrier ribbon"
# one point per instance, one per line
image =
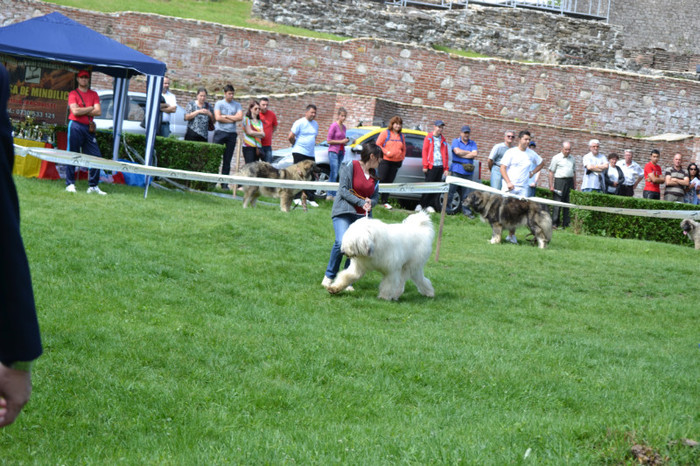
(88, 161)
(678, 214)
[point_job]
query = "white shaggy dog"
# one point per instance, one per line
(398, 251)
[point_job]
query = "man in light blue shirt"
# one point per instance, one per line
(303, 139)
(303, 135)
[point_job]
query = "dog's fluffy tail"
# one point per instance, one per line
(419, 220)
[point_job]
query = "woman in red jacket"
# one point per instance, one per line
(393, 144)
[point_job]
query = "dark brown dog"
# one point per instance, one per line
(509, 213)
(305, 170)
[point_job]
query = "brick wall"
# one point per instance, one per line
(375, 79)
(485, 131)
(199, 53)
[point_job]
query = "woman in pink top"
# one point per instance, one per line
(336, 148)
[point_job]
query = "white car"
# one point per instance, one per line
(134, 113)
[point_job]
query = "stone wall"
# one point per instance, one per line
(379, 78)
(499, 32)
(669, 25)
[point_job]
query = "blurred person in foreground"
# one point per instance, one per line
(20, 342)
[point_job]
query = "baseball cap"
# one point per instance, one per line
(532, 144)
(439, 123)
(466, 129)
(82, 73)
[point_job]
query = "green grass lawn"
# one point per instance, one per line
(182, 329)
(231, 12)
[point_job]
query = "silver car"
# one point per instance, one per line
(411, 170)
(134, 113)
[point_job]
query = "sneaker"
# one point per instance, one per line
(430, 210)
(512, 239)
(70, 188)
(326, 282)
(95, 190)
(419, 208)
(388, 206)
(312, 203)
(297, 201)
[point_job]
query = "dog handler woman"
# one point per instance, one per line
(358, 192)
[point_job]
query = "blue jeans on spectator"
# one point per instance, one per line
(267, 153)
(591, 190)
(227, 139)
(334, 159)
(82, 140)
(496, 178)
(341, 223)
(164, 129)
(531, 191)
(463, 193)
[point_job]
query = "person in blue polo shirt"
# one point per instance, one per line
(463, 153)
(303, 139)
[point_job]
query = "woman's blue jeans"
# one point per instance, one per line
(341, 223)
(334, 159)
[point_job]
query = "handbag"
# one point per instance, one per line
(92, 127)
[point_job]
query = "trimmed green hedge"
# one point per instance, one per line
(171, 153)
(664, 230)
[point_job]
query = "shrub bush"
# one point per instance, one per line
(171, 153)
(666, 230)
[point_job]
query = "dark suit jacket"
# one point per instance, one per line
(19, 329)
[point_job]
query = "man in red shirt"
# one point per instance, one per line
(84, 105)
(269, 120)
(652, 177)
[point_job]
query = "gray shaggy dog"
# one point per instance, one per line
(509, 213)
(690, 228)
(305, 170)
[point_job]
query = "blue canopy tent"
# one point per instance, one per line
(55, 37)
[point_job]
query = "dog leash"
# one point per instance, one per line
(354, 193)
